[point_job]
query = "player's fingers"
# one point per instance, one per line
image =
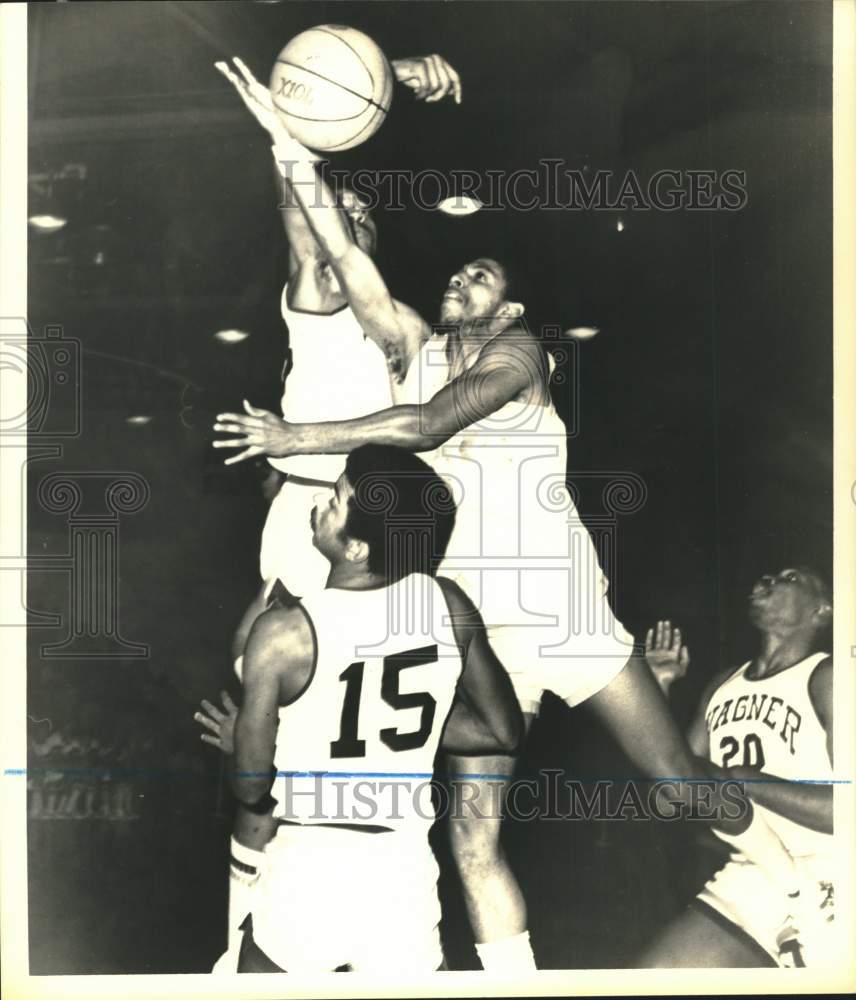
(254, 411)
(212, 710)
(676, 638)
(245, 71)
(433, 77)
(240, 420)
(457, 90)
(659, 639)
(243, 456)
(649, 640)
(203, 720)
(444, 84)
(684, 658)
(234, 428)
(227, 72)
(231, 443)
(211, 739)
(228, 704)
(235, 418)
(414, 82)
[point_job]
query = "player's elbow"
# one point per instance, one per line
(431, 427)
(509, 731)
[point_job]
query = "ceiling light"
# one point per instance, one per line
(139, 419)
(47, 223)
(230, 336)
(460, 204)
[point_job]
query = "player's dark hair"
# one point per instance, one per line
(401, 508)
(515, 283)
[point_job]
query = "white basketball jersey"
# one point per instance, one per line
(507, 475)
(358, 745)
(770, 723)
(337, 374)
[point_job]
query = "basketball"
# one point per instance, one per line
(332, 86)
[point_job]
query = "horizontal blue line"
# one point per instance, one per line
(11, 772)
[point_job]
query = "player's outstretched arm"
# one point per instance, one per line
(506, 367)
(398, 331)
(277, 664)
(485, 718)
(257, 97)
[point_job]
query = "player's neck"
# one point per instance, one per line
(781, 650)
(479, 331)
(353, 576)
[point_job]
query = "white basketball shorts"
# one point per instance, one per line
(746, 896)
(549, 621)
(329, 897)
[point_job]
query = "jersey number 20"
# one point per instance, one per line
(348, 744)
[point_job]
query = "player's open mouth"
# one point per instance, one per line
(453, 296)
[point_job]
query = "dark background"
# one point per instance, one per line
(711, 380)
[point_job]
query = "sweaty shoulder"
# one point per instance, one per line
(517, 348)
(282, 642)
(463, 613)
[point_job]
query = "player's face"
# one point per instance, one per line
(787, 599)
(328, 521)
(477, 291)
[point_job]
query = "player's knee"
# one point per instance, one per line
(475, 843)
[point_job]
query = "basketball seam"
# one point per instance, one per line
(335, 83)
(333, 34)
(368, 124)
(322, 121)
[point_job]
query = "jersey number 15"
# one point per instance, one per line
(348, 744)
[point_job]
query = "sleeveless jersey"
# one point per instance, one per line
(507, 473)
(771, 723)
(358, 745)
(337, 373)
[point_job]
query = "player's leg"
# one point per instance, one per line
(250, 833)
(495, 904)
(634, 710)
(702, 939)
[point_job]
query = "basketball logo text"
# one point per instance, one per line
(295, 90)
(787, 724)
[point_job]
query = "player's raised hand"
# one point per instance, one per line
(257, 97)
(262, 433)
(431, 78)
(666, 654)
(221, 725)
